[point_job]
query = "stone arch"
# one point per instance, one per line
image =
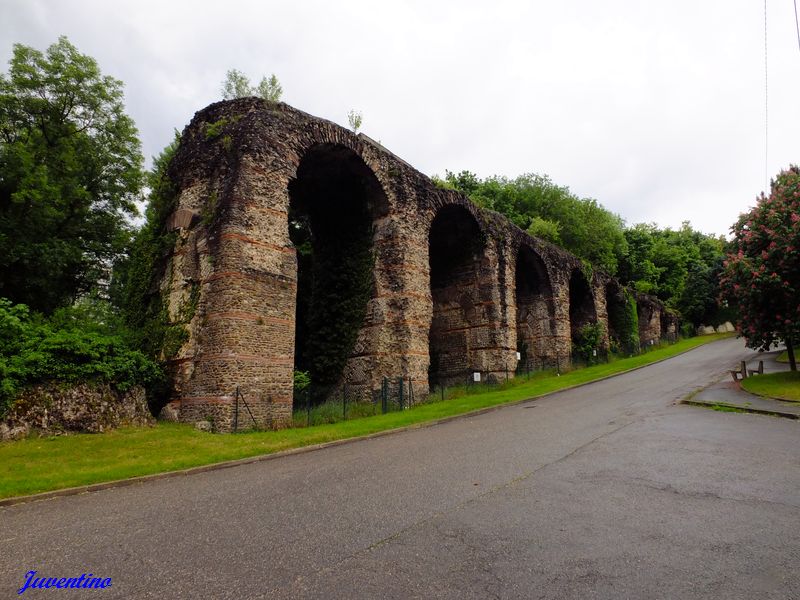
(456, 248)
(442, 290)
(535, 318)
(616, 308)
(582, 309)
(623, 329)
(669, 326)
(649, 320)
(334, 201)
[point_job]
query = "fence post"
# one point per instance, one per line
(344, 401)
(410, 393)
(401, 393)
(384, 395)
(236, 411)
(308, 407)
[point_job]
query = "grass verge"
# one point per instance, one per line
(727, 408)
(43, 464)
(784, 386)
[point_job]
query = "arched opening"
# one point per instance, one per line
(334, 200)
(649, 321)
(581, 303)
(623, 322)
(455, 247)
(669, 327)
(535, 311)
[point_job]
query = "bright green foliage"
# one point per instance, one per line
(545, 230)
(637, 266)
(534, 203)
(144, 311)
(679, 266)
(762, 268)
(587, 341)
(785, 386)
(70, 171)
(237, 85)
(301, 380)
(70, 346)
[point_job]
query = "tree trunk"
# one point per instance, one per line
(790, 352)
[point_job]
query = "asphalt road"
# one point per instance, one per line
(607, 491)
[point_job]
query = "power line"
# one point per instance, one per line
(797, 24)
(766, 106)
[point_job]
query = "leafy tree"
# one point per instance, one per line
(270, 89)
(354, 118)
(679, 266)
(762, 268)
(637, 266)
(534, 203)
(237, 85)
(70, 171)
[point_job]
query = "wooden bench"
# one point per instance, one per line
(759, 371)
(741, 373)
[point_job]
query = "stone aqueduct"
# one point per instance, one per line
(450, 280)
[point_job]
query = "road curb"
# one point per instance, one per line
(747, 409)
(96, 487)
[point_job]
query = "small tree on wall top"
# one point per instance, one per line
(762, 269)
(237, 85)
(354, 118)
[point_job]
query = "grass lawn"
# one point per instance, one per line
(42, 464)
(785, 386)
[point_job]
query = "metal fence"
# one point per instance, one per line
(400, 392)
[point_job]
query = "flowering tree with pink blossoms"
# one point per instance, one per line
(761, 273)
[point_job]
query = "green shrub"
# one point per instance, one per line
(587, 340)
(301, 380)
(71, 346)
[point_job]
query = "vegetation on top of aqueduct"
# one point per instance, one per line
(681, 267)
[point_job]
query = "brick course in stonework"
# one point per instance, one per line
(455, 288)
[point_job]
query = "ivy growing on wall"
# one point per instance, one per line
(334, 285)
(144, 309)
(330, 225)
(624, 321)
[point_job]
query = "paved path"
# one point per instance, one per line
(728, 393)
(609, 491)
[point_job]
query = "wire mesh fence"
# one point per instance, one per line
(351, 401)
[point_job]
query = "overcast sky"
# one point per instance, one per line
(656, 109)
